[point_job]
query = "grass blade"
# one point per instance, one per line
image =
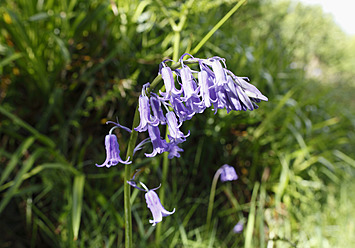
(19, 178)
(251, 218)
(78, 190)
(15, 159)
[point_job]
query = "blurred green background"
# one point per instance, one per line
(67, 66)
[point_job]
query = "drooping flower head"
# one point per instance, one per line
(112, 152)
(171, 91)
(153, 203)
(159, 145)
(219, 71)
(155, 104)
(174, 150)
(155, 206)
(144, 112)
(207, 93)
(228, 173)
(173, 127)
(215, 86)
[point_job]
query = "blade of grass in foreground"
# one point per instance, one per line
(15, 158)
(27, 165)
(78, 189)
(251, 218)
(216, 27)
(17, 121)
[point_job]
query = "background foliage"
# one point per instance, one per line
(68, 66)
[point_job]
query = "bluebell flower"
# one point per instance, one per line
(207, 91)
(220, 73)
(112, 152)
(180, 110)
(145, 116)
(216, 86)
(159, 145)
(175, 133)
(169, 83)
(173, 150)
(156, 108)
(238, 228)
(153, 203)
(155, 206)
(191, 91)
(228, 173)
(188, 84)
(250, 90)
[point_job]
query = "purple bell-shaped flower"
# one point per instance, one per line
(112, 152)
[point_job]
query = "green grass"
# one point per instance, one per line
(68, 66)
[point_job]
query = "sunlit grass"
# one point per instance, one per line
(68, 66)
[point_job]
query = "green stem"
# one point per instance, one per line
(127, 188)
(217, 26)
(162, 190)
(211, 201)
(251, 217)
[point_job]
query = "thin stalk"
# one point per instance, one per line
(217, 26)
(211, 201)
(176, 46)
(251, 217)
(127, 177)
(162, 190)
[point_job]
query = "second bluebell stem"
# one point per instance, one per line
(211, 200)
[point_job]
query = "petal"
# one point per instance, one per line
(250, 89)
(153, 203)
(169, 82)
(219, 72)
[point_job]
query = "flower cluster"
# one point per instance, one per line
(211, 86)
(215, 86)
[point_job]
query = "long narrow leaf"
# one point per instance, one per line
(15, 158)
(19, 178)
(78, 194)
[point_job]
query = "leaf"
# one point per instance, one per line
(19, 178)
(15, 158)
(78, 189)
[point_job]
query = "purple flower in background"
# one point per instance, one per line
(144, 113)
(238, 228)
(159, 145)
(228, 173)
(112, 152)
(173, 127)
